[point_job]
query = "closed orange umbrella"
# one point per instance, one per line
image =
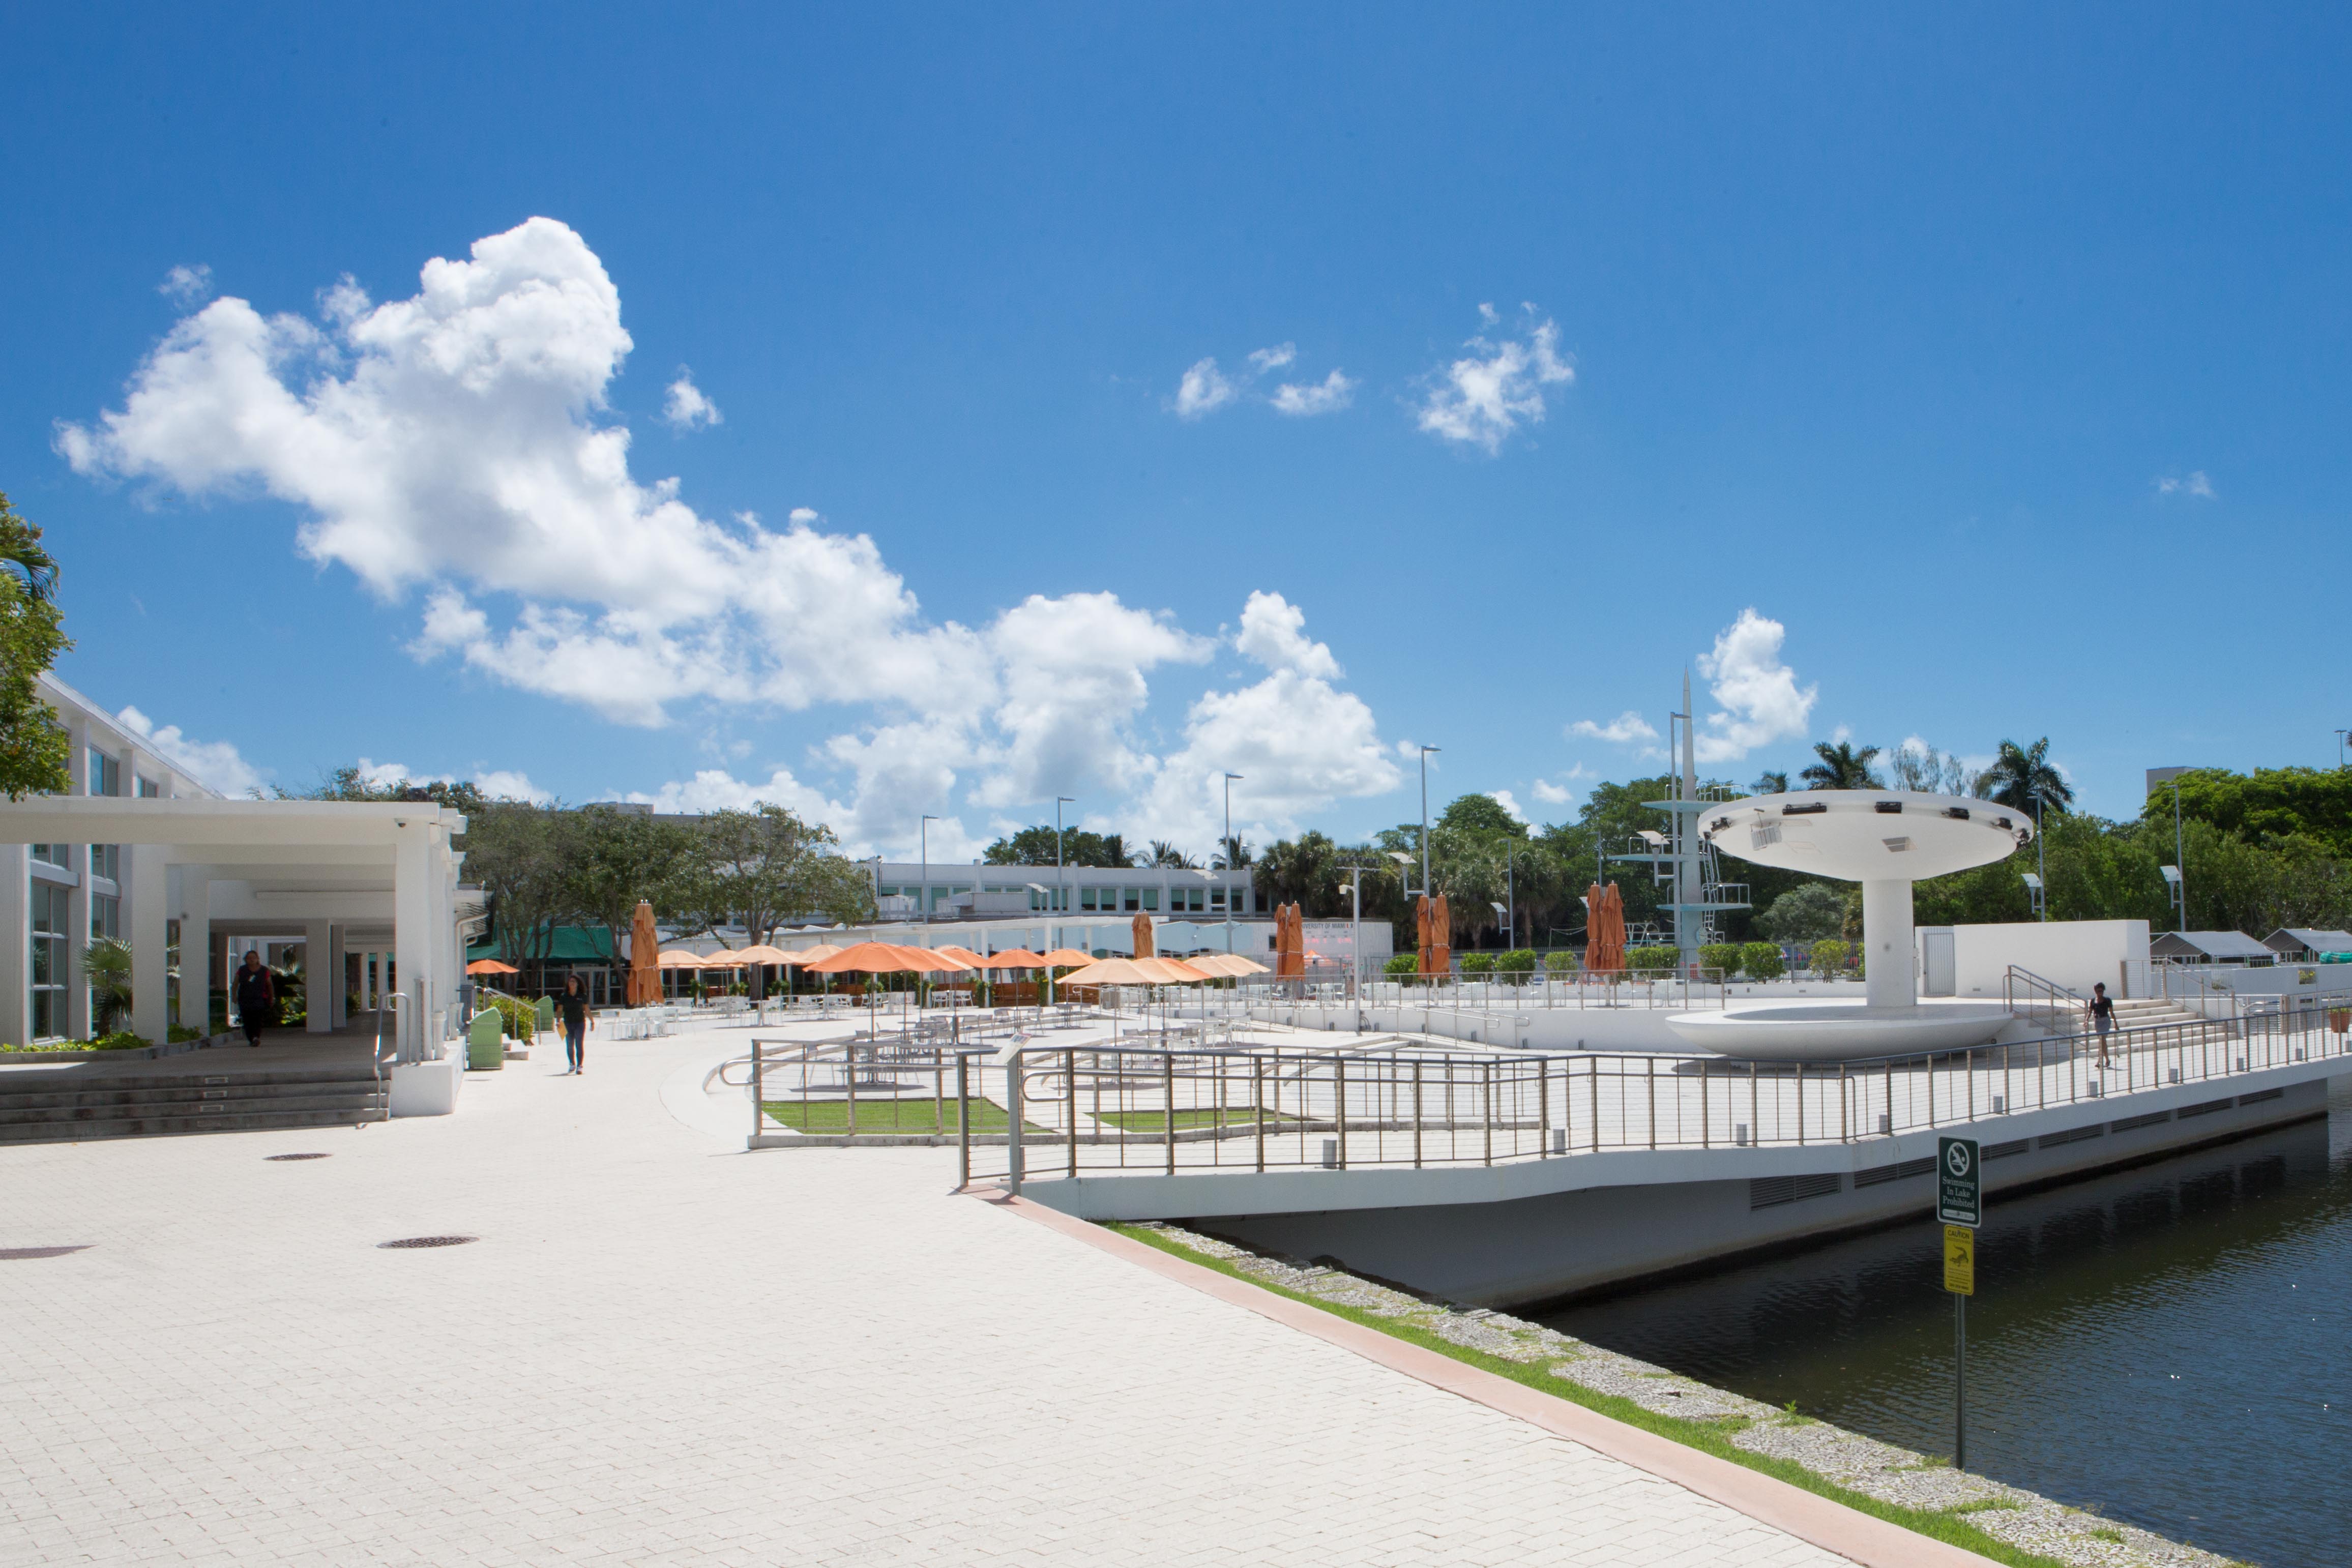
(1142, 929)
(645, 942)
(1441, 930)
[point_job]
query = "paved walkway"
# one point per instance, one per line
(665, 1352)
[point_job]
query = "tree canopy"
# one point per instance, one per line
(1035, 846)
(34, 748)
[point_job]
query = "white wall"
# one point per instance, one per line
(2076, 954)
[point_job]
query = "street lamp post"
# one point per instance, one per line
(1231, 855)
(1424, 816)
(923, 829)
(2180, 881)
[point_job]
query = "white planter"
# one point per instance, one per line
(428, 1088)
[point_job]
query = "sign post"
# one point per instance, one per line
(1960, 1204)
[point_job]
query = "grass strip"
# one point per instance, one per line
(1231, 1118)
(1706, 1436)
(890, 1118)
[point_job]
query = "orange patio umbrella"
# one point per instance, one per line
(490, 966)
(1014, 958)
(1061, 956)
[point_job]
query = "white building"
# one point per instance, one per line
(139, 850)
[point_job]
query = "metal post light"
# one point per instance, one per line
(923, 829)
(2339, 747)
(1231, 855)
(1424, 817)
(2171, 776)
(1061, 898)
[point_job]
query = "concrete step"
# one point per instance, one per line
(186, 1093)
(168, 1126)
(203, 1111)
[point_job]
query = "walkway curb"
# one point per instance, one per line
(1808, 1516)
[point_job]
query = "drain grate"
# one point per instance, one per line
(11, 1254)
(429, 1241)
(315, 1157)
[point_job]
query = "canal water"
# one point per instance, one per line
(2170, 1346)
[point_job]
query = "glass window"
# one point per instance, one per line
(50, 854)
(1151, 899)
(1086, 898)
(149, 789)
(105, 916)
(106, 860)
(105, 773)
(1216, 898)
(48, 960)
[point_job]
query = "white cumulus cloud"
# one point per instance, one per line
(456, 446)
(1552, 794)
(1509, 802)
(1202, 390)
(685, 408)
(2195, 484)
(1271, 634)
(1273, 358)
(498, 783)
(215, 763)
(1480, 399)
(186, 284)
(1623, 730)
(1335, 391)
(1760, 700)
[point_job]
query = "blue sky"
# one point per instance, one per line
(1992, 357)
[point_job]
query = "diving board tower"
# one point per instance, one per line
(1681, 859)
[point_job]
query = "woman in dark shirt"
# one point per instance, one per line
(2102, 1017)
(571, 1012)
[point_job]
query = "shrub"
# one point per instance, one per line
(1652, 958)
(1829, 955)
(1404, 968)
(1762, 961)
(181, 1031)
(1561, 963)
(1804, 913)
(1517, 965)
(1477, 963)
(119, 1039)
(521, 1017)
(1720, 955)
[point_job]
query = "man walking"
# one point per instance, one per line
(2102, 1017)
(571, 1012)
(257, 998)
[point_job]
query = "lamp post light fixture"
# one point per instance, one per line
(2339, 747)
(2176, 895)
(1061, 898)
(2179, 877)
(923, 829)
(1424, 817)
(1233, 856)
(2033, 891)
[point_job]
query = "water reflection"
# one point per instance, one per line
(2170, 1346)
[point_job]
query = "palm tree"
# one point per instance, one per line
(1164, 853)
(1843, 767)
(1772, 781)
(1231, 854)
(2022, 779)
(106, 965)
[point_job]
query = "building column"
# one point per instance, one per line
(338, 1011)
(1890, 952)
(145, 913)
(413, 938)
(15, 945)
(318, 941)
(197, 947)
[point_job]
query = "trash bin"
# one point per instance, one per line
(546, 1018)
(486, 1047)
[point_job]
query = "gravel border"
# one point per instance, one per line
(2022, 1518)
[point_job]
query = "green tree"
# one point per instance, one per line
(760, 867)
(1479, 815)
(1762, 961)
(1804, 913)
(1163, 853)
(515, 853)
(33, 748)
(1843, 767)
(1772, 781)
(2268, 802)
(1034, 846)
(2022, 779)
(610, 859)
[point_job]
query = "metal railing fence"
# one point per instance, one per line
(1039, 1111)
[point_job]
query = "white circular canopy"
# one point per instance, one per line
(1866, 835)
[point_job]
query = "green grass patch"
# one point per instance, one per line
(891, 1118)
(1987, 1505)
(2103, 1533)
(1707, 1436)
(1237, 1118)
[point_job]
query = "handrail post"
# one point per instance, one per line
(1070, 1101)
(1168, 1093)
(1416, 1112)
(1340, 1104)
(1257, 1099)
(1486, 1102)
(849, 1078)
(757, 1083)
(1543, 1109)
(963, 1120)
(1013, 1150)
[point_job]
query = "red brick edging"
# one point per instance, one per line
(1831, 1525)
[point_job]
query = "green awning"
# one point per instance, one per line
(571, 945)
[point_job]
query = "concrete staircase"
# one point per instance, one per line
(2154, 1012)
(207, 1092)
